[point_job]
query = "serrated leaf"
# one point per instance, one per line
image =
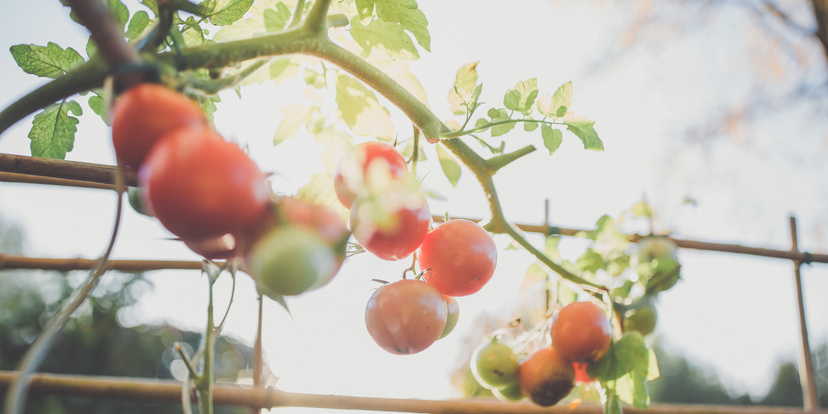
(361, 110)
(390, 38)
(193, 37)
(365, 9)
(464, 81)
(139, 22)
(276, 20)
(552, 138)
(406, 13)
(97, 104)
(53, 130)
(583, 129)
(296, 116)
(228, 11)
(522, 97)
(501, 129)
(450, 167)
(48, 61)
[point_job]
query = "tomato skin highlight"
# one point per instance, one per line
(409, 227)
(405, 317)
(581, 332)
(143, 114)
(352, 172)
(200, 186)
(459, 257)
(545, 377)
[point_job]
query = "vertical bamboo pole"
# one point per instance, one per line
(806, 367)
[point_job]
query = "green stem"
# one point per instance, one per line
(416, 153)
(204, 383)
(500, 161)
(186, 359)
(297, 15)
(455, 134)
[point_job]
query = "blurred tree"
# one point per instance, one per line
(95, 343)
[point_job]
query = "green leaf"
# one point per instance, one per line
(387, 37)
(551, 248)
(562, 100)
(530, 126)
(590, 261)
(642, 209)
(627, 354)
(228, 11)
(365, 9)
(465, 81)
(449, 166)
(522, 97)
(499, 130)
(139, 22)
(552, 138)
(193, 37)
(406, 13)
(276, 20)
(96, 102)
(314, 78)
(583, 129)
(48, 61)
(152, 5)
(296, 116)
(361, 110)
(53, 130)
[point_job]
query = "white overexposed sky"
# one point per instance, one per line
(733, 314)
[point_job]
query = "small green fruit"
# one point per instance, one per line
(642, 320)
(494, 364)
(511, 392)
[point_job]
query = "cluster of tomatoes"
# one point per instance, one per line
(210, 194)
(390, 218)
(580, 334)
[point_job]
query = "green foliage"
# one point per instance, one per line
(624, 371)
(584, 130)
(464, 83)
(405, 13)
(48, 61)
(53, 130)
(522, 98)
(388, 37)
(552, 138)
(224, 12)
(449, 166)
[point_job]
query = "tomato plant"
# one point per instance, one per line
(458, 257)
(392, 225)
(405, 317)
(545, 377)
(200, 186)
(143, 114)
(291, 260)
(581, 332)
(368, 160)
(494, 364)
(642, 320)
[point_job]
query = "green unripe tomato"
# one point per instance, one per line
(642, 320)
(452, 315)
(136, 200)
(494, 364)
(289, 260)
(511, 392)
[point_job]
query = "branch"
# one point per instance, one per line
(500, 161)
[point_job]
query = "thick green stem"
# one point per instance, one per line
(500, 161)
(297, 14)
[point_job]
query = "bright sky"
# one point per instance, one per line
(733, 314)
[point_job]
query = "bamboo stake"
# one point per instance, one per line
(806, 366)
(72, 170)
(65, 265)
(138, 389)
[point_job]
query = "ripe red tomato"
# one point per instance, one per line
(458, 257)
(545, 377)
(581, 375)
(393, 225)
(144, 113)
(581, 332)
(352, 171)
(200, 186)
(323, 220)
(453, 309)
(405, 317)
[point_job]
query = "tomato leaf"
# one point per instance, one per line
(228, 11)
(552, 138)
(296, 116)
(584, 130)
(450, 167)
(501, 129)
(522, 97)
(48, 61)
(139, 22)
(387, 37)
(406, 13)
(530, 126)
(97, 104)
(361, 110)
(53, 130)
(276, 20)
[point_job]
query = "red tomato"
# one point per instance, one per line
(392, 226)
(352, 171)
(320, 218)
(458, 257)
(581, 332)
(142, 114)
(405, 317)
(581, 375)
(200, 186)
(545, 377)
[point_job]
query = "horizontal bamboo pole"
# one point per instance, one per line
(104, 174)
(11, 177)
(65, 265)
(136, 389)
